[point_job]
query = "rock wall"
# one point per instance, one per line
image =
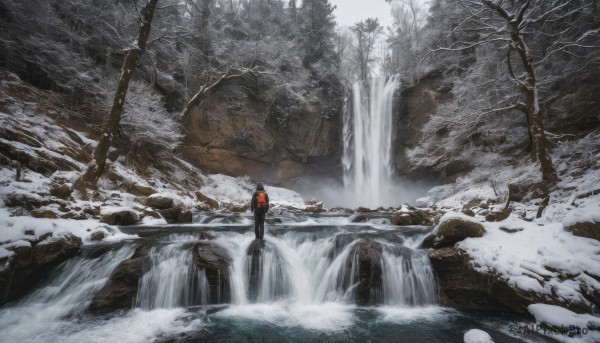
(413, 107)
(249, 130)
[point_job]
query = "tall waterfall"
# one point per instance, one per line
(368, 135)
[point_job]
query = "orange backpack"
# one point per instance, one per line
(261, 201)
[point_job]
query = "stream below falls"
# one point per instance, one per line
(313, 278)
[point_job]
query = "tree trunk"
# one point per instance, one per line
(96, 166)
(535, 127)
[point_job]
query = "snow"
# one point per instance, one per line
(13, 228)
(238, 191)
(557, 316)
(477, 336)
(5, 253)
(454, 215)
(575, 327)
(589, 213)
(107, 210)
(533, 259)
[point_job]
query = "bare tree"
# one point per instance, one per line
(206, 90)
(97, 165)
(509, 29)
(366, 32)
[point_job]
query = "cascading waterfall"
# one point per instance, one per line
(309, 272)
(368, 135)
(172, 280)
(408, 279)
(74, 284)
(314, 271)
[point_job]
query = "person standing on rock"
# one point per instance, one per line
(259, 206)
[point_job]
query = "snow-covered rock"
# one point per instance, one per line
(453, 227)
(566, 325)
(477, 336)
(160, 201)
(584, 221)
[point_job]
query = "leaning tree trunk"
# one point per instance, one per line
(535, 127)
(537, 136)
(97, 165)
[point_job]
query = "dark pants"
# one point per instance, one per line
(259, 223)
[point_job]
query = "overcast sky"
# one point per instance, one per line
(349, 12)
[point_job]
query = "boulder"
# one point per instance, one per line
(360, 218)
(32, 261)
(120, 217)
(401, 219)
(97, 236)
(176, 215)
(498, 216)
(185, 217)
(24, 200)
(62, 191)
(414, 217)
(47, 214)
(451, 231)
(160, 201)
(238, 208)
(527, 191)
(313, 206)
(210, 202)
(142, 190)
(464, 286)
(585, 229)
(54, 250)
(121, 289)
(368, 289)
(215, 261)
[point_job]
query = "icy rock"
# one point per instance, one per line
(142, 190)
(210, 202)
(477, 336)
(160, 201)
(313, 206)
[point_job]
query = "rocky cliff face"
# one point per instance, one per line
(242, 130)
(413, 106)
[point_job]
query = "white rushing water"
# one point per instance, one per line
(368, 136)
(304, 276)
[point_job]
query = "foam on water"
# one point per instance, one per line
(328, 316)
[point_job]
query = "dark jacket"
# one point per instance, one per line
(254, 201)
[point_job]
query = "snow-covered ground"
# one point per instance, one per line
(536, 254)
(564, 325)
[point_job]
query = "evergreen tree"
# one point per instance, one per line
(317, 29)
